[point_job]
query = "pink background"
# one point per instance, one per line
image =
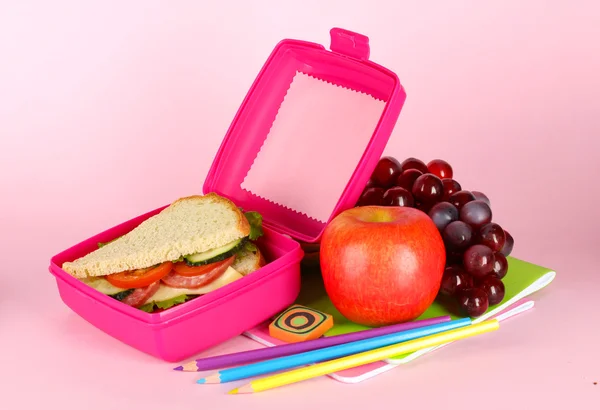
(507, 93)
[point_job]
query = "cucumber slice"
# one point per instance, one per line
(215, 255)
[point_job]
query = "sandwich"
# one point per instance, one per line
(192, 247)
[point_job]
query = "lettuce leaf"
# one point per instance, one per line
(250, 247)
(149, 307)
(255, 220)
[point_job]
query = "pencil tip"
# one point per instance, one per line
(212, 379)
(234, 391)
(188, 367)
(245, 389)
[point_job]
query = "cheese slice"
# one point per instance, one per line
(101, 285)
(166, 292)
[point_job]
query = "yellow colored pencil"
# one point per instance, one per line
(360, 359)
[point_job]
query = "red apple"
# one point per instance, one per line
(382, 265)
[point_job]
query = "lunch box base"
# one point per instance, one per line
(198, 324)
(198, 332)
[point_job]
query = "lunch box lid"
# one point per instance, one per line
(308, 134)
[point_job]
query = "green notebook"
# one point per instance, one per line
(522, 279)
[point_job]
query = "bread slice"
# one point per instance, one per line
(247, 261)
(189, 225)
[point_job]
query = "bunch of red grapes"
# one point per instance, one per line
(476, 247)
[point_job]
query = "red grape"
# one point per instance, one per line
(386, 172)
(440, 168)
(500, 265)
(455, 279)
(481, 197)
(473, 302)
(428, 189)
(414, 163)
(423, 206)
(450, 186)
(453, 258)
(492, 236)
(371, 196)
(460, 198)
(508, 244)
(478, 260)
(476, 214)
(442, 214)
(407, 178)
(397, 196)
(494, 288)
(370, 183)
(457, 235)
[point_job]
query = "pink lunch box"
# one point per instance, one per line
(184, 330)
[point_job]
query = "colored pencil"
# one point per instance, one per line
(321, 369)
(238, 358)
(328, 353)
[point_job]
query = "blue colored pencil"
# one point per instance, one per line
(328, 353)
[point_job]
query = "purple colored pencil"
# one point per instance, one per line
(233, 359)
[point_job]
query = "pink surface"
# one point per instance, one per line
(113, 108)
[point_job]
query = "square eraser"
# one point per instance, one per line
(300, 323)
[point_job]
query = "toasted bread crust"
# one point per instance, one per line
(261, 260)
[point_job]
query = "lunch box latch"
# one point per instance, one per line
(350, 44)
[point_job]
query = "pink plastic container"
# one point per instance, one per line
(184, 330)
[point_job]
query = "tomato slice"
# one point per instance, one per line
(140, 278)
(183, 269)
